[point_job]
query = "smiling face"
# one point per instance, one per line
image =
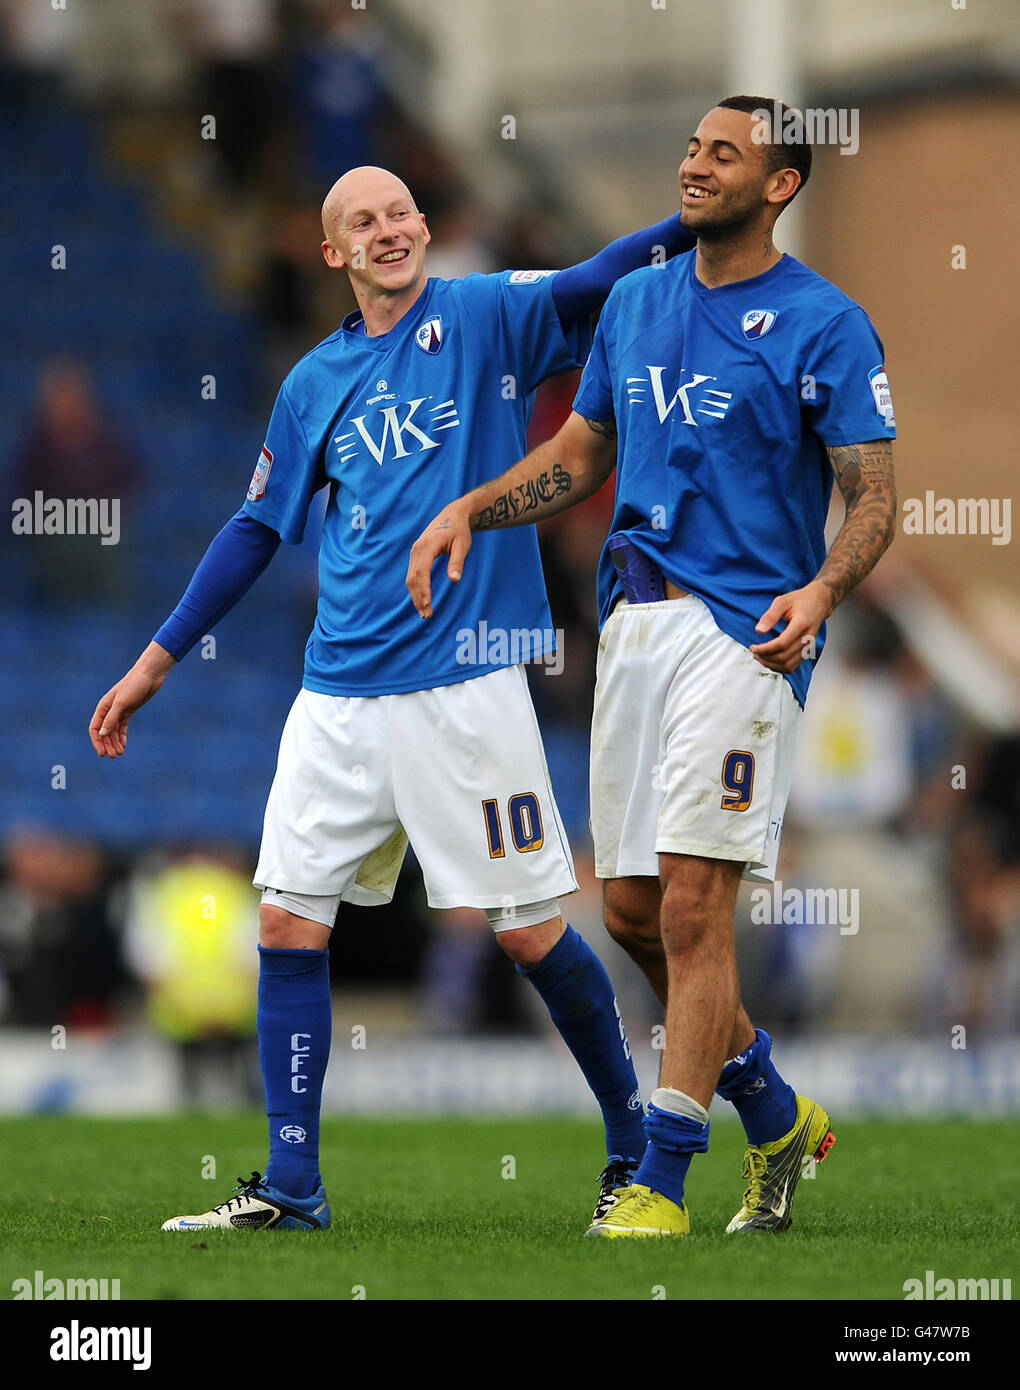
(374, 231)
(725, 178)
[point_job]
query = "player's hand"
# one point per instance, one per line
(447, 534)
(108, 730)
(804, 611)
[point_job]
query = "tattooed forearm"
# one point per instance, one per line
(603, 427)
(554, 476)
(511, 506)
(864, 476)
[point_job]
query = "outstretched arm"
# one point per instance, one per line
(557, 475)
(234, 560)
(581, 289)
(864, 476)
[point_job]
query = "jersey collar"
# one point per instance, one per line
(753, 282)
(353, 329)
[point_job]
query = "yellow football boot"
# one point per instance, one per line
(638, 1211)
(773, 1170)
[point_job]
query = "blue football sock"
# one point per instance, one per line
(672, 1142)
(295, 1026)
(576, 990)
(767, 1106)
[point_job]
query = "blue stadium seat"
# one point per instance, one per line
(136, 305)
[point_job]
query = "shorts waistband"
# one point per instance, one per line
(666, 604)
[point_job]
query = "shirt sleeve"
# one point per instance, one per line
(540, 346)
(594, 399)
(231, 565)
(288, 474)
(844, 384)
(581, 289)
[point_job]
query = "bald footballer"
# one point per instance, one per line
(394, 735)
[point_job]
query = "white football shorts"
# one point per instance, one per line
(459, 770)
(692, 744)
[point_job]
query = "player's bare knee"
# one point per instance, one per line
(685, 926)
(630, 911)
(639, 936)
(710, 883)
(282, 930)
(529, 946)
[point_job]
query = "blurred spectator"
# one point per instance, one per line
(340, 92)
(453, 971)
(978, 975)
(289, 290)
(938, 742)
(37, 42)
(528, 240)
(423, 164)
(58, 950)
(234, 41)
(72, 451)
(458, 245)
(853, 765)
(998, 794)
(190, 937)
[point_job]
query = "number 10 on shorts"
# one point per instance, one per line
(525, 819)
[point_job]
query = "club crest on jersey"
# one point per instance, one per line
(757, 322)
(257, 486)
(429, 336)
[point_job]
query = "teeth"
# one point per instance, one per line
(393, 256)
(698, 193)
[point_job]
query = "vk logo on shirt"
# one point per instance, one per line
(709, 401)
(387, 433)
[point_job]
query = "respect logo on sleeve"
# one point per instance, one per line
(879, 383)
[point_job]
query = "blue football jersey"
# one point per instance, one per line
(397, 426)
(724, 401)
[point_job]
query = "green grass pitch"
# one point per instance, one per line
(421, 1210)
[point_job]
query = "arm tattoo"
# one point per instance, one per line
(523, 498)
(604, 427)
(864, 476)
